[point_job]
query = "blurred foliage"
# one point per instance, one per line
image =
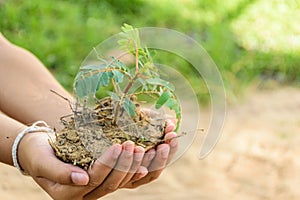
(253, 42)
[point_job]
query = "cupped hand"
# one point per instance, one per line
(114, 169)
(155, 161)
(121, 166)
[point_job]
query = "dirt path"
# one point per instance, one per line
(256, 159)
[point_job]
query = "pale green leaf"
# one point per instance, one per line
(174, 105)
(105, 79)
(160, 82)
(92, 68)
(129, 106)
(114, 96)
(86, 85)
(117, 76)
(143, 82)
(119, 64)
(80, 89)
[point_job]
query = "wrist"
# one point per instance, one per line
(25, 153)
(26, 144)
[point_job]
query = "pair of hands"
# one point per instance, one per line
(121, 166)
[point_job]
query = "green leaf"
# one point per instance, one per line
(172, 104)
(80, 89)
(126, 27)
(129, 106)
(105, 78)
(158, 81)
(152, 53)
(114, 96)
(129, 39)
(117, 76)
(162, 99)
(86, 85)
(143, 82)
(119, 64)
(92, 68)
(87, 80)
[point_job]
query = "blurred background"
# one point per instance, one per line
(254, 43)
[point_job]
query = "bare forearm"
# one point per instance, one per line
(8, 132)
(25, 86)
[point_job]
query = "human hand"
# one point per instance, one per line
(155, 161)
(64, 181)
(119, 167)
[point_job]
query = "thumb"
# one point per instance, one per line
(37, 157)
(57, 171)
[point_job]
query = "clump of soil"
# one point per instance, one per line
(88, 132)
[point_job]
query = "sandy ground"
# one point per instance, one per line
(255, 159)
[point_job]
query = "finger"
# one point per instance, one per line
(98, 173)
(172, 120)
(60, 172)
(148, 157)
(171, 125)
(173, 142)
(140, 173)
(156, 167)
(112, 182)
(126, 158)
(169, 128)
(104, 165)
(160, 159)
(137, 160)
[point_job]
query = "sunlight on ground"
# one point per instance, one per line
(270, 25)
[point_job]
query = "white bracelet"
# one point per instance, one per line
(33, 128)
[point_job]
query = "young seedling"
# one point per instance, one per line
(97, 123)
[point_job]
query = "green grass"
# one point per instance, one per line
(62, 33)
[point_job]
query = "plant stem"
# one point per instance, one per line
(115, 87)
(136, 58)
(129, 85)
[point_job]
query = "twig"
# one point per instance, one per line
(68, 100)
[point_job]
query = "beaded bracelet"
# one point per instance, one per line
(36, 127)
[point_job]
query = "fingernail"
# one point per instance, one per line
(128, 149)
(165, 152)
(143, 171)
(139, 154)
(117, 151)
(173, 143)
(170, 128)
(151, 155)
(170, 136)
(129, 146)
(79, 178)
